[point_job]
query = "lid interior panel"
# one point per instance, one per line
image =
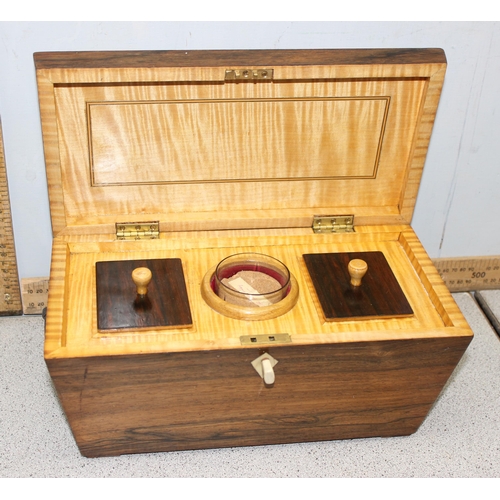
(168, 148)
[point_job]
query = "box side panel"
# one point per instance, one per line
(420, 144)
(213, 399)
(51, 152)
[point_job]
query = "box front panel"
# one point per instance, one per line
(211, 399)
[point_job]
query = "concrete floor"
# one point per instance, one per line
(459, 438)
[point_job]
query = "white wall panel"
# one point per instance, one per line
(458, 205)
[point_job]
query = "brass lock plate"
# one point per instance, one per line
(277, 338)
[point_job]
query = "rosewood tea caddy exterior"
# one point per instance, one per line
(176, 160)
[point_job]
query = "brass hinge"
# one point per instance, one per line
(137, 230)
(333, 224)
(241, 75)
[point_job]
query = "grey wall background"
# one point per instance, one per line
(458, 208)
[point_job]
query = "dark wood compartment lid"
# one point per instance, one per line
(378, 296)
(166, 303)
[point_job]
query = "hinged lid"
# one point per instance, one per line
(235, 139)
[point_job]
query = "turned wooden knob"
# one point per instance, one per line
(357, 269)
(141, 277)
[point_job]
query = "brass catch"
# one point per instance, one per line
(241, 75)
(137, 230)
(333, 224)
(277, 338)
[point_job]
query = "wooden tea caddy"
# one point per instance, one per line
(286, 153)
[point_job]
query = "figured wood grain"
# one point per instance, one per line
(434, 285)
(51, 146)
(379, 295)
(71, 318)
(213, 398)
(421, 143)
(164, 305)
(254, 172)
(231, 166)
(308, 135)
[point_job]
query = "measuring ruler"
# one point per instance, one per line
(470, 274)
(10, 294)
(34, 292)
